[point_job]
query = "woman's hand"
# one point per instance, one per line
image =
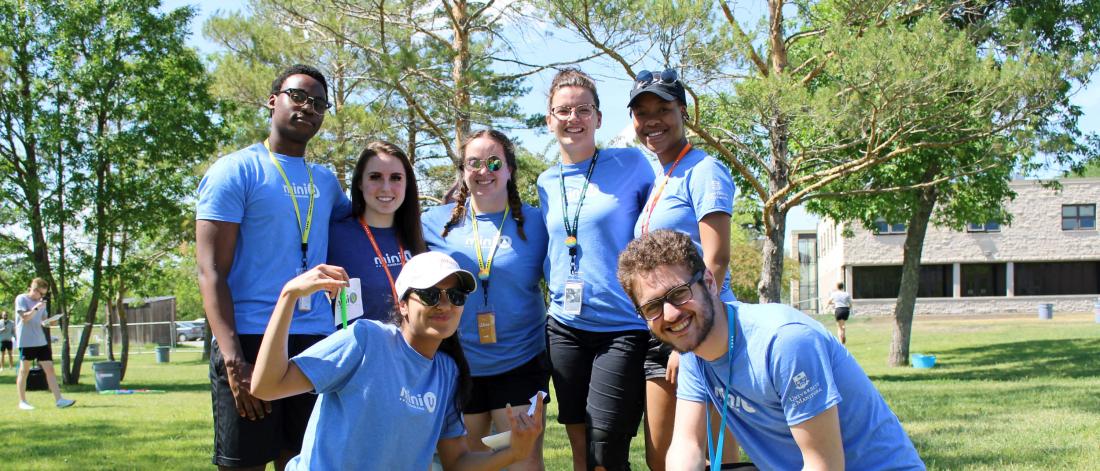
(322, 277)
(525, 429)
(672, 368)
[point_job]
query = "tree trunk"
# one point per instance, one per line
(910, 275)
(206, 340)
(771, 273)
(775, 210)
(109, 340)
(461, 50)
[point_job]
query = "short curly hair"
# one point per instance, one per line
(298, 69)
(662, 247)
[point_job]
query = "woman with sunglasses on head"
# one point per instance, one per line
(383, 231)
(489, 231)
(694, 195)
(390, 395)
(597, 342)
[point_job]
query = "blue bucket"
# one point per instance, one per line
(922, 361)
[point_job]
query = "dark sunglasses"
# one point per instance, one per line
(300, 97)
(493, 163)
(676, 296)
(430, 296)
(646, 78)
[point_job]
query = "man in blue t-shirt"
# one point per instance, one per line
(263, 216)
(793, 396)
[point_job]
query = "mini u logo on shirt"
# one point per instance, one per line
(426, 401)
(392, 259)
(301, 190)
(487, 243)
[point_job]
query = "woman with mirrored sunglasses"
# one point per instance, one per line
(693, 193)
(589, 202)
(383, 230)
(490, 231)
(390, 395)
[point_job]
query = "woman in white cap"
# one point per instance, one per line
(390, 395)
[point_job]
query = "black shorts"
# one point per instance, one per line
(240, 442)
(598, 376)
(513, 387)
(40, 353)
(656, 358)
(5, 345)
(842, 313)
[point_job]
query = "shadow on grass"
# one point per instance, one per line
(1070, 358)
(87, 384)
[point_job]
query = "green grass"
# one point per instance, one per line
(1006, 393)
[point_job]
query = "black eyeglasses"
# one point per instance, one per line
(677, 296)
(646, 78)
(430, 296)
(493, 163)
(300, 97)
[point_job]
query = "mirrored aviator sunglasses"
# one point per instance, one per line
(430, 296)
(493, 163)
(646, 78)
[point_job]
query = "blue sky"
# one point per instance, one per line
(613, 89)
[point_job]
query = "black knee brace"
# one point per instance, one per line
(608, 449)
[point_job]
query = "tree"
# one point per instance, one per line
(853, 87)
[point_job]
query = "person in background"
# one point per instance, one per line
(30, 339)
(390, 393)
(489, 231)
(7, 337)
(262, 217)
(842, 301)
(794, 397)
(693, 195)
(589, 202)
(383, 230)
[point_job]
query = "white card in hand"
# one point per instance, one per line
(503, 439)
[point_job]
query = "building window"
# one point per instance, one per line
(983, 279)
(883, 228)
(885, 282)
(987, 227)
(1078, 217)
(1049, 278)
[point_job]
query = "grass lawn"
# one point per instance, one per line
(1006, 393)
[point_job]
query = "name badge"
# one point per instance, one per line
(305, 303)
(574, 295)
(486, 325)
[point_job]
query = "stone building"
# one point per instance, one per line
(1049, 254)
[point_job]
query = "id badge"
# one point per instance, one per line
(305, 303)
(486, 325)
(574, 295)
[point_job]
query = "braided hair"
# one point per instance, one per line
(459, 192)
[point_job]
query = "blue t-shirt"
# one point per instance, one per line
(786, 370)
(29, 333)
(620, 183)
(383, 405)
(349, 247)
(700, 185)
(245, 188)
(514, 294)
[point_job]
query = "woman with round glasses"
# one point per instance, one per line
(597, 342)
(383, 231)
(489, 231)
(694, 194)
(390, 395)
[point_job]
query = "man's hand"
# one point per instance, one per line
(239, 374)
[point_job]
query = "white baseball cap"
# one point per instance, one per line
(429, 268)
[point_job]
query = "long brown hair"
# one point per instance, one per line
(406, 219)
(459, 192)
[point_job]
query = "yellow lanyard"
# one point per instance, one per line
(483, 265)
(294, 199)
(661, 188)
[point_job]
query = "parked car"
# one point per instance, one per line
(189, 330)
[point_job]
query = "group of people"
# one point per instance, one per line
(456, 329)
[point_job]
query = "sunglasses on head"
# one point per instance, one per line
(676, 296)
(493, 163)
(646, 78)
(300, 97)
(430, 296)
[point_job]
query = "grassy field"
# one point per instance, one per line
(1006, 393)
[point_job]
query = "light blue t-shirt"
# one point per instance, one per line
(246, 188)
(700, 185)
(786, 370)
(620, 183)
(349, 247)
(514, 293)
(383, 405)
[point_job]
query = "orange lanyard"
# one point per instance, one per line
(661, 188)
(382, 257)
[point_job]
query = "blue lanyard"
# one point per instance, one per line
(716, 453)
